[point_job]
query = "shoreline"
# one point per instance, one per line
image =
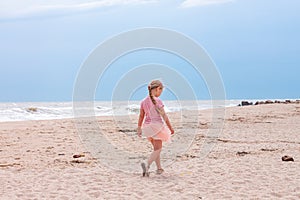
(33, 110)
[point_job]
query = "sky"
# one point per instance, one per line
(254, 44)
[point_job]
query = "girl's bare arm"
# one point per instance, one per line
(166, 119)
(141, 119)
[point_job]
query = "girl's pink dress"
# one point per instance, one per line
(153, 126)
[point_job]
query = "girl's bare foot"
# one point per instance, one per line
(160, 171)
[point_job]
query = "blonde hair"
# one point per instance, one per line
(152, 85)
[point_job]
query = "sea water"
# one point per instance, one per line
(61, 110)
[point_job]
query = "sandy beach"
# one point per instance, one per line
(36, 159)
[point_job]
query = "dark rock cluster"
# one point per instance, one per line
(276, 101)
(247, 103)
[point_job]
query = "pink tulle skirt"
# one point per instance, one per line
(156, 131)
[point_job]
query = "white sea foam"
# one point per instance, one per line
(61, 110)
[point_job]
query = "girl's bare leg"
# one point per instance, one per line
(155, 155)
(157, 160)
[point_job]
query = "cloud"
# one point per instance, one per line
(27, 8)
(194, 3)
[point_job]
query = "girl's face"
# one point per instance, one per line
(158, 91)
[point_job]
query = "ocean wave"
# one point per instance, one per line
(61, 110)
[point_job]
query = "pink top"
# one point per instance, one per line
(149, 108)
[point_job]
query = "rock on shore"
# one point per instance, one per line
(247, 103)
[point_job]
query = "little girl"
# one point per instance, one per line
(153, 127)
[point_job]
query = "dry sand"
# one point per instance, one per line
(36, 159)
